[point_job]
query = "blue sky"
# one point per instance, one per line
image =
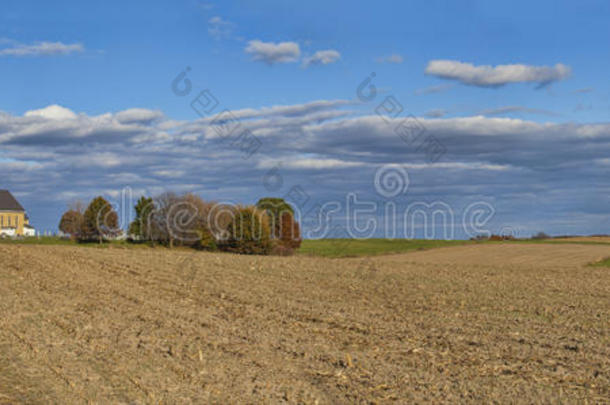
(516, 94)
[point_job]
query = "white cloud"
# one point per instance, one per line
(138, 115)
(52, 112)
(393, 58)
(309, 163)
(219, 28)
(103, 160)
(515, 109)
(325, 163)
(494, 76)
(457, 166)
(55, 124)
(271, 52)
(12, 165)
(41, 48)
(204, 5)
(169, 173)
(289, 110)
(322, 58)
(436, 113)
(433, 89)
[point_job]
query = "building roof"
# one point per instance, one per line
(8, 202)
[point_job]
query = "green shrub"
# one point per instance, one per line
(207, 241)
(248, 233)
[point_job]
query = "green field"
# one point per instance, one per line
(42, 240)
(326, 247)
(370, 247)
(603, 263)
(318, 247)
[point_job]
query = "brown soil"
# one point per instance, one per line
(485, 323)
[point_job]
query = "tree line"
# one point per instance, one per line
(170, 219)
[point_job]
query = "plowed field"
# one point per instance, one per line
(478, 323)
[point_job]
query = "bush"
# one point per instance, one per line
(290, 232)
(281, 250)
(207, 241)
(275, 208)
(71, 223)
(248, 233)
(493, 237)
(285, 231)
(541, 235)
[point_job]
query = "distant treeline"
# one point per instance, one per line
(170, 219)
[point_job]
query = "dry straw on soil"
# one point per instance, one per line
(481, 323)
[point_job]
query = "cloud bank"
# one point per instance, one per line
(551, 170)
(44, 48)
(271, 52)
(393, 58)
(510, 109)
(322, 58)
(218, 28)
(496, 76)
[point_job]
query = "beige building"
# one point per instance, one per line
(13, 218)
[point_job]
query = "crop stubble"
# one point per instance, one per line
(495, 322)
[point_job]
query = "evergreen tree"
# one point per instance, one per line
(140, 227)
(100, 220)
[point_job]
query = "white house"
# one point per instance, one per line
(29, 231)
(7, 232)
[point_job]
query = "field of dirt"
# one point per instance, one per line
(503, 323)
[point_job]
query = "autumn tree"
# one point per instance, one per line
(188, 220)
(161, 224)
(71, 223)
(290, 232)
(275, 209)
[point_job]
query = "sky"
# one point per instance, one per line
(478, 116)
